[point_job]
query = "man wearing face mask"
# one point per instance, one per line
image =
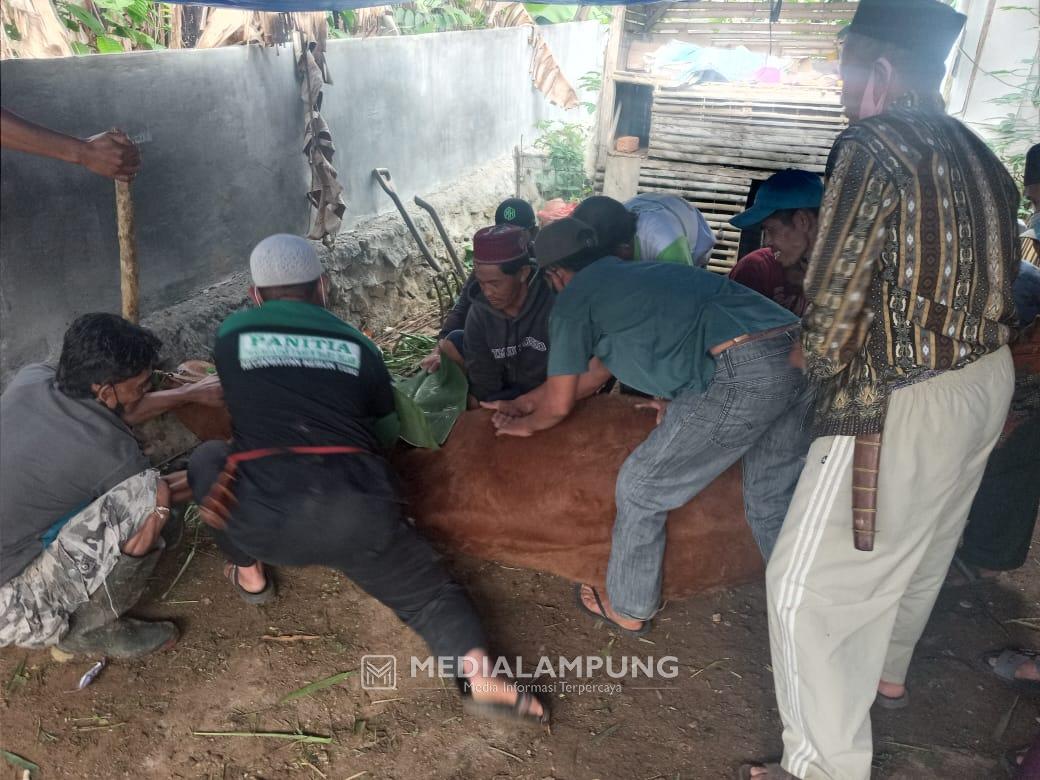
(786, 208)
(910, 307)
(80, 509)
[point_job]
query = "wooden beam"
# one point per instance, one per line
(128, 282)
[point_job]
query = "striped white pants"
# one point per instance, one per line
(841, 619)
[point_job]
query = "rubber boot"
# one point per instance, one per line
(97, 628)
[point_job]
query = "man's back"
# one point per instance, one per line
(670, 230)
(653, 324)
(294, 374)
(913, 265)
(57, 454)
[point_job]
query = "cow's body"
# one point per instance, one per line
(547, 502)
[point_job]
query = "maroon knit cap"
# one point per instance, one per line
(500, 244)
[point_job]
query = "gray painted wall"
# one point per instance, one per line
(223, 167)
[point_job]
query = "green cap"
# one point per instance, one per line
(789, 189)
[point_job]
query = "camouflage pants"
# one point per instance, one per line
(35, 606)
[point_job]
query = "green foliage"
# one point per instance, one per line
(341, 24)
(544, 13)
(564, 145)
(1013, 134)
(591, 81)
(427, 16)
(109, 24)
(429, 404)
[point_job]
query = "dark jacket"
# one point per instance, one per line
(507, 356)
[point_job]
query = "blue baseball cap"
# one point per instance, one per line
(789, 189)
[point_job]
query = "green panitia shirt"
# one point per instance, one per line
(653, 324)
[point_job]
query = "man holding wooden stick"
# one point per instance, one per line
(111, 154)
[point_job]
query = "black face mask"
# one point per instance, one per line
(118, 411)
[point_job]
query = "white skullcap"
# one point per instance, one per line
(283, 259)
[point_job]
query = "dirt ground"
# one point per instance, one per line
(137, 720)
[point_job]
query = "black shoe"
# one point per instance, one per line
(123, 638)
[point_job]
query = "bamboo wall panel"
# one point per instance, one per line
(710, 142)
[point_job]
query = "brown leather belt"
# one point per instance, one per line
(747, 338)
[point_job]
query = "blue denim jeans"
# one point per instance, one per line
(758, 407)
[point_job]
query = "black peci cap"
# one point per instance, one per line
(927, 27)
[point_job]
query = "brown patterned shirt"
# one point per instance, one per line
(912, 268)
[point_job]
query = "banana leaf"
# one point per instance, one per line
(429, 404)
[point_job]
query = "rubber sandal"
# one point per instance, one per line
(517, 711)
(602, 614)
(256, 599)
(773, 772)
(892, 702)
(1003, 663)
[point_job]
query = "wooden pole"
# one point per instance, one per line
(127, 251)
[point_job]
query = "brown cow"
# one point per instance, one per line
(547, 502)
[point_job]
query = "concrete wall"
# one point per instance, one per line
(223, 168)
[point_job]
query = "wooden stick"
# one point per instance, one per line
(127, 251)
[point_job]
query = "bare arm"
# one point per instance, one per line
(110, 154)
(589, 383)
(555, 400)
(207, 392)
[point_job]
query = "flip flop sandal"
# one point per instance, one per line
(518, 711)
(602, 614)
(256, 599)
(1003, 663)
(892, 702)
(773, 772)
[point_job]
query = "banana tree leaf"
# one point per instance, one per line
(552, 14)
(429, 404)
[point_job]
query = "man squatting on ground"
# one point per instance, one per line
(312, 406)
(910, 307)
(717, 351)
(80, 508)
(507, 327)
(511, 211)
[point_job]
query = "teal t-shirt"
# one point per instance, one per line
(653, 324)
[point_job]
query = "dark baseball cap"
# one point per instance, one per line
(563, 239)
(789, 189)
(514, 211)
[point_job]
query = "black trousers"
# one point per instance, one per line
(306, 510)
(1002, 518)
